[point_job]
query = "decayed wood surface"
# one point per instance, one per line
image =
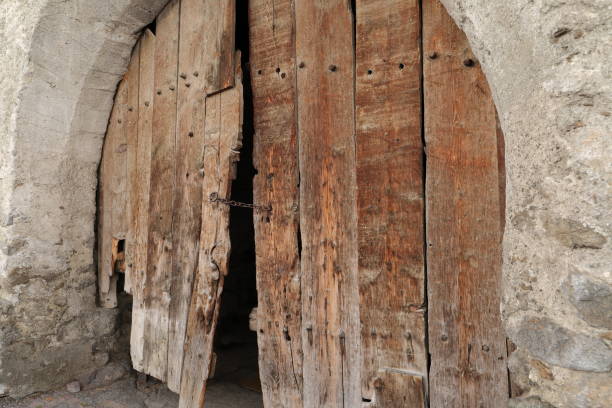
(398, 389)
(206, 56)
(390, 197)
(222, 141)
(112, 198)
(140, 193)
(466, 340)
(276, 184)
(133, 90)
(161, 196)
(328, 212)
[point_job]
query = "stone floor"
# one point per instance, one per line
(235, 385)
(126, 394)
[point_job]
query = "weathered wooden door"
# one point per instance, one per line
(377, 149)
(172, 142)
(376, 145)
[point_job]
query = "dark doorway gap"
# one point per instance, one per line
(235, 344)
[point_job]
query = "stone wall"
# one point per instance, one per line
(546, 63)
(60, 63)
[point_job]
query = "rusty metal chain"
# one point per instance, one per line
(214, 198)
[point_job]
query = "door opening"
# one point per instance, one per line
(235, 343)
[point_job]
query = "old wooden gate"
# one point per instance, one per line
(377, 149)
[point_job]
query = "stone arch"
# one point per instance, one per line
(544, 63)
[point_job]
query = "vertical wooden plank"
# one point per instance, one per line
(161, 196)
(223, 135)
(390, 194)
(112, 197)
(398, 388)
(140, 219)
(466, 339)
(275, 154)
(133, 76)
(118, 165)
(206, 57)
(328, 211)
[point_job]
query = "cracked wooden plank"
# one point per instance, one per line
(133, 78)
(222, 141)
(398, 388)
(331, 335)
(466, 338)
(205, 64)
(390, 194)
(139, 222)
(276, 234)
(161, 194)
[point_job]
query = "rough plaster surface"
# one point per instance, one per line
(547, 62)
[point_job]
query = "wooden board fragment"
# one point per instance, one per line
(276, 234)
(140, 194)
(133, 79)
(112, 198)
(161, 195)
(331, 335)
(390, 192)
(398, 389)
(222, 141)
(205, 63)
(466, 338)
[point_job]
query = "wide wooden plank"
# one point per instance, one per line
(203, 48)
(140, 196)
(398, 389)
(466, 338)
(222, 141)
(390, 193)
(331, 335)
(218, 43)
(133, 78)
(161, 195)
(276, 184)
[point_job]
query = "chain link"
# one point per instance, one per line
(214, 198)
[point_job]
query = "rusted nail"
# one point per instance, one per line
(370, 72)
(159, 91)
(171, 87)
(469, 62)
(130, 109)
(195, 74)
(433, 55)
(302, 65)
(146, 103)
(183, 75)
(190, 134)
(259, 72)
(485, 348)
(187, 84)
(333, 68)
(283, 75)
(118, 120)
(444, 337)
(277, 70)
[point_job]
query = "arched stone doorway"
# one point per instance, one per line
(528, 52)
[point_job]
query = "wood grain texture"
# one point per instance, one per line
(331, 335)
(222, 141)
(398, 389)
(390, 175)
(466, 339)
(112, 198)
(140, 219)
(206, 54)
(219, 19)
(275, 157)
(161, 195)
(133, 90)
